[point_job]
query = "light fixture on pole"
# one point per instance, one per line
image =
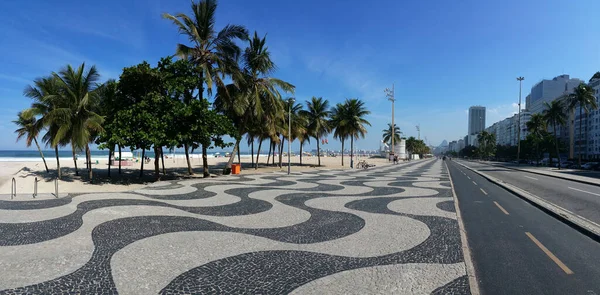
(520, 79)
(291, 101)
(390, 96)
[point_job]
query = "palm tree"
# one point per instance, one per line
(387, 134)
(317, 115)
(253, 95)
(354, 114)
(582, 97)
(77, 118)
(555, 115)
(46, 98)
(338, 121)
(298, 124)
(214, 53)
(536, 127)
(27, 128)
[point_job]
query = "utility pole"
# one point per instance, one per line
(390, 96)
(520, 79)
(418, 131)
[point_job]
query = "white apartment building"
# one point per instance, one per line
(593, 128)
(549, 90)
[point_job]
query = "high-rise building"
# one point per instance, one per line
(549, 90)
(476, 120)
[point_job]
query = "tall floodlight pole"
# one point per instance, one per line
(390, 96)
(520, 79)
(418, 132)
(291, 101)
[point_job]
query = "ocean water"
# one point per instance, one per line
(34, 155)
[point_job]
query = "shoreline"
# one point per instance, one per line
(25, 172)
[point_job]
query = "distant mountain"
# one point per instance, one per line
(444, 143)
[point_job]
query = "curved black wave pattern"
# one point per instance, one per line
(36, 204)
(457, 286)
(446, 206)
(109, 237)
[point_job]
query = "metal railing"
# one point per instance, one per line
(13, 189)
(35, 182)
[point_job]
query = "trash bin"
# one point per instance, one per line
(236, 168)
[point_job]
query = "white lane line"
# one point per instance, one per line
(468, 177)
(579, 190)
(483, 191)
(531, 177)
(475, 183)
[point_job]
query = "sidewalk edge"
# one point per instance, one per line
(470, 268)
(579, 223)
(545, 174)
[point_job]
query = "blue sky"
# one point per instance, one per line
(443, 56)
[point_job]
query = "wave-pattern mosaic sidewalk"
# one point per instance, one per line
(383, 230)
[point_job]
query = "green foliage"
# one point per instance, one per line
(417, 146)
(387, 134)
(487, 145)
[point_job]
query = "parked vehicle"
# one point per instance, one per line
(590, 165)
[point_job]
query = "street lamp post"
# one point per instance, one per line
(390, 96)
(291, 101)
(520, 79)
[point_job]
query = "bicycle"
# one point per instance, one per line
(362, 165)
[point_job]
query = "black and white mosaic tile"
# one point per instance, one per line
(319, 232)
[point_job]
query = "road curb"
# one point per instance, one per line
(549, 175)
(581, 224)
(470, 268)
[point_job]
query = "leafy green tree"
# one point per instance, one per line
(487, 144)
(555, 115)
(214, 54)
(582, 97)
(108, 106)
(317, 114)
(387, 134)
(27, 128)
(140, 124)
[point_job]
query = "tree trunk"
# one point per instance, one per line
(281, 150)
(257, 154)
(205, 172)
(587, 118)
(556, 146)
(352, 151)
(252, 152)
(142, 160)
(232, 156)
(162, 159)
(580, 119)
(342, 152)
(42, 155)
(301, 153)
(57, 162)
(318, 151)
(269, 154)
(119, 146)
(110, 151)
(89, 155)
(274, 149)
(238, 154)
(156, 163)
(74, 160)
(187, 158)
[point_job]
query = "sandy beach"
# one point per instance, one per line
(25, 173)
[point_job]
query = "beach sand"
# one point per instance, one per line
(176, 168)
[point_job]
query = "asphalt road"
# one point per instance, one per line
(581, 199)
(519, 249)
